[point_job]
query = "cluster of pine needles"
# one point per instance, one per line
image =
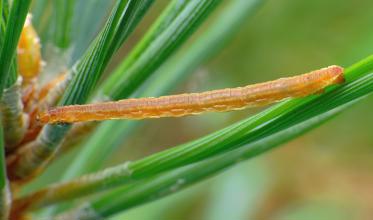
(29, 86)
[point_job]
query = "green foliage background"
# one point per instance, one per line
(321, 175)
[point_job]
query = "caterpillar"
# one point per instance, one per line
(196, 103)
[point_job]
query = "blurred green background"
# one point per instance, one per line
(325, 174)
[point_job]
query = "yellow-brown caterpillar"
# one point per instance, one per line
(197, 103)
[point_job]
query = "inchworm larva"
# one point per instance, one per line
(196, 103)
